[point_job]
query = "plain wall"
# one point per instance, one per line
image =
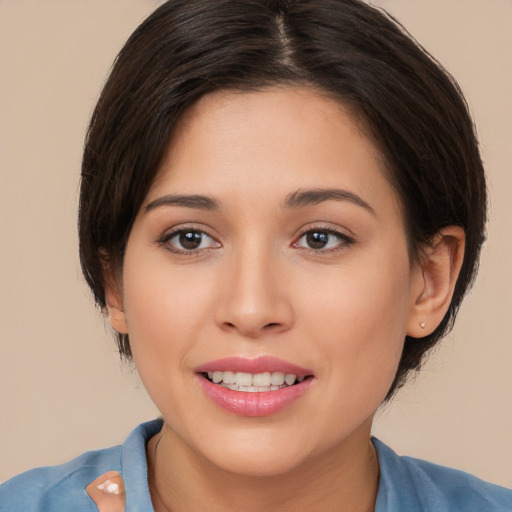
(63, 389)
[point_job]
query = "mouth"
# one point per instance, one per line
(254, 382)
(254, 387)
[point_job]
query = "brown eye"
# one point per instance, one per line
(317, 239)
(189, 240)
(322, 240)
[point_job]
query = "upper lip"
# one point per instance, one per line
(257, 365)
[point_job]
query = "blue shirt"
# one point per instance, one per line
(406, 484)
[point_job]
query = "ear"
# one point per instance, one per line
(114, 298)
(434, 280)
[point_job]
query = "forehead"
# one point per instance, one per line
(278, 140)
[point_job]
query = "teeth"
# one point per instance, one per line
(261, 379)
(250, 389)
(229, 378)
(290, 379)
(243, 379)
(249, 382)
(277, 379)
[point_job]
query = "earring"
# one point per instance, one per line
(423, 325)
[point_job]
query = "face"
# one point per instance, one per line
(270, 246)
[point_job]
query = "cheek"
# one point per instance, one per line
(164, 310)
(164, 330)
(159, 297)
(359, 316)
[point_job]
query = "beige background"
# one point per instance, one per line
(62, 387)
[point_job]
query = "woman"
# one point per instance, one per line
(282, 207)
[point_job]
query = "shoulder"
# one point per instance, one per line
(409, 484)
(62, 488)
(55, 488)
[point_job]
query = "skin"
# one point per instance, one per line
(255, 287)
(108, 492)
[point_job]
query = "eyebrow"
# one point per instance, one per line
(298, 199)
(188, 201)
(302, 198)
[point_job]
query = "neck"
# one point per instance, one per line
(344, 480)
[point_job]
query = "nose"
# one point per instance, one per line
(254, 299)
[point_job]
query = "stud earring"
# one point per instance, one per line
(423, 325)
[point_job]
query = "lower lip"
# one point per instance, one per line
(262, 403)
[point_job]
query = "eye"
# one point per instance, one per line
(322, 240)
(189, 241)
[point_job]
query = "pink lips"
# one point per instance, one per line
(253, 404)
(258, 365)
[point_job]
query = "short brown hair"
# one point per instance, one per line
(352, 51)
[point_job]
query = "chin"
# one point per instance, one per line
(256, 464)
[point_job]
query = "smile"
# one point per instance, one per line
(254, 387)
(253, 383)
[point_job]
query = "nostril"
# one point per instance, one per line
(269, 326)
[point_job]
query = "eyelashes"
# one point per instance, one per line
(323, 240)
(192, 241)
(189, 241)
